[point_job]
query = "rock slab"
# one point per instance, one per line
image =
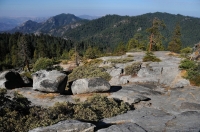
(90, 85)
(126, 127)
(67, 126)
(10, 80)
(49, 81)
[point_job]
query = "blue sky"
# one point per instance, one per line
(40, 8)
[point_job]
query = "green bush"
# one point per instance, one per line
(42, 64)
(193, 71)
(186, 51)
(26, 74)
(133, 69)
(14, 118)
(98, 107)
(122, 60)
(150, 57)
(87, 71)
(187, 64)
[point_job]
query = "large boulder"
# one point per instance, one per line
(90, 85)
(10, 80)
(67, 126)
(49, 81)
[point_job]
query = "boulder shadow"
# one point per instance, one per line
(115, 89)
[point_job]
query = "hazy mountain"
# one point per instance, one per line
(56, 25)
(88, 17)
(28, 27)
(8, 23)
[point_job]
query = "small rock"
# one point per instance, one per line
(115, 72)
(49, 81)
(124, 79)
(28, 82)
(90, 85)
(67, 126)
(10, 80)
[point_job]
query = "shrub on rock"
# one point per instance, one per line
(43, 64)
(133, 68)
(150, 57)
(87, 71)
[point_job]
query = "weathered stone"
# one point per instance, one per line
(124, 79)
(190, 106)
(130, 97)
(10, 80)
(90, 85)
(126, 127)
(28, 82)
(149, 119)
(185, 122)
(49, 81)
(67, 126)
(115, 71)
(180, 83)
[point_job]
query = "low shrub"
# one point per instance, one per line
(133, 69)
(14, 118)
(150, 57)
(88, 71)
(98, 107)
(193, 71)
(186, 51)
(187, 64)
(42, 64)
(26, 74)
(122, 60)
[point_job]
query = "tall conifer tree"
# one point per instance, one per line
(175, 43)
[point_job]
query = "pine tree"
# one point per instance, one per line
(24, 51)
(132, 44)
(175, 44)
(156, 37)
(14, 55)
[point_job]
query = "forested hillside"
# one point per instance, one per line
(113, 29)
(11, 46)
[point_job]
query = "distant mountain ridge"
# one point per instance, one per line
(8, 23)
(89, 17)
(52, 26)
(113, 29)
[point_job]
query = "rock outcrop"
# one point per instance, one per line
(10, 80)
(49, 81)
(153, 120)
(132, 94)
(126, 127)
(67, 126)
(90, 85)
